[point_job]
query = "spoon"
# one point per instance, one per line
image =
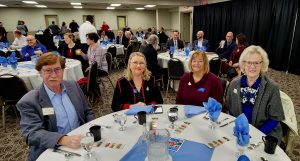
(263, 159)
(68, 156)
(254, 145)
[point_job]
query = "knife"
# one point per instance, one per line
(227, 123)
(65, 151)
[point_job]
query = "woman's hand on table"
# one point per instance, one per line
(138, 104)
(72, 141)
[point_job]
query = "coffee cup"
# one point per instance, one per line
(96, 131)
(270, 144)
(141, 117)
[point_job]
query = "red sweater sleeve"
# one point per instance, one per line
(182, 84)
(217, 92)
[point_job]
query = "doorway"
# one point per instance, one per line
(186, 24)
(122, 22)
(50, 18)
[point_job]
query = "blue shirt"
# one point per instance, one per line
(28, 49)
(65, 113)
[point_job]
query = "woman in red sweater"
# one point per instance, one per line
(200, 84)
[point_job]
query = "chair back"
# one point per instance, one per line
(12, 88)
(92, 77)
(109, 61)
(163, 47)
(214, 65)
(175, 69)
(113, 50)
(129, 51)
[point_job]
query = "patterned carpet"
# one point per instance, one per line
(13, 148)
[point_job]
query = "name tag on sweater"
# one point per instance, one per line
(48, 111)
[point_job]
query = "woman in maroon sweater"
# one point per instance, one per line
(138, 87)
(198, 85)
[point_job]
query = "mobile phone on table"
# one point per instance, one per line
(157, 109)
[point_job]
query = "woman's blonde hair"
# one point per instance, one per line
(128, 74)
(194, 55)
(254, 50)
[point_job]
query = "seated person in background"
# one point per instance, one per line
(200, 84)
(96, 53)
(3, 39)
(33, 48)
(20, 40)
(241, 41)
(255, 95)
(138, 87)
(122, 39)
(51, 111)
(201, 43)
(178, 44)
(72, 50)
(48, 40)
(110, 34)
(145, 41)
(163, 37)
(139, 32)
(103, 36)
(226, 47)
(132, 40)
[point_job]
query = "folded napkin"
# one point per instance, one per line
(243, 158)
(214, 108)
(3, 61)
(187, 51)
(190, 110)
(241, 130)
(193, 150)
(135, 109)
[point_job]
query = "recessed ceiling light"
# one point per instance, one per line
(140, 8)
(110, 8)
(115, 5)
(41, 6)
(150, 5)
(77, 6)
(2, 5)
(30, 2)
(75, 3)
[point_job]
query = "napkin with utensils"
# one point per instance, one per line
(214, 108)
(135, 109)
(190, 110)
(241, 130)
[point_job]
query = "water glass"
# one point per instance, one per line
(213, 123)
(122, 118)
(241, 149)
(173, 116)
(158, 145)
(87, 142)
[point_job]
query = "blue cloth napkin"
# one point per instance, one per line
(172, 50)
(243, 158)
(241, 130)
(3, 59)
(214, 108)
(190, 110)
(134, 110)
(192, 150)
(187, 51)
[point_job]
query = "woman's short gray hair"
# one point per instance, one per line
(153, 39)
(254, 50)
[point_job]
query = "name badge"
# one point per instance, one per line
(48, 111)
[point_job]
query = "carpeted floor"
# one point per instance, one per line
(13, 148)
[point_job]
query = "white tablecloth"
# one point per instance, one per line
(197, 131)
(32, 78)
(120, 48)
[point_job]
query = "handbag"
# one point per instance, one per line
(231, 73)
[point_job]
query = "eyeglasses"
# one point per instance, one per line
(254, 63)
(197, 61)
(29, 39)
(138, 63)
(50, 71)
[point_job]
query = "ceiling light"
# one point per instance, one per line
(41, 6)
(140, 8)
(110, 8)
(2, 5)
(76, 3)
(115, 5)
(77, 6)
(30, 2)
(150, 5)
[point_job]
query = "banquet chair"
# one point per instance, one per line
(289, 124)
(163, 47)
(109, 64)
(175, 71)
(93, 89)
(12, 89)
(128, 52)
(214, 65)
(113, 50)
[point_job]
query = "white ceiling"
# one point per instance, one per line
(102, 4)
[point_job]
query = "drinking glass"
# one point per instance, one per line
(173, 116)
(122, 118)
(241, 149)
(87, 142)
(213, 123)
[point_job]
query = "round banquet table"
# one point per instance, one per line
(26, 71)
(197, 131)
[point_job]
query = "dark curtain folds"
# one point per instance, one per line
(268, 23)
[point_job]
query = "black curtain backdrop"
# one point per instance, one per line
(268, 23)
